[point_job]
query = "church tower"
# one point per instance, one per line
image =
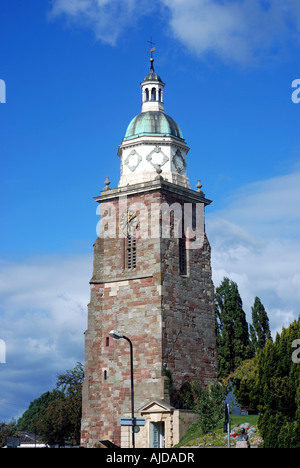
(151, 282)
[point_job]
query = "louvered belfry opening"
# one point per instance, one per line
(182, 257)
(131, 252)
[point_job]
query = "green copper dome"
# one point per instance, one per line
(153, 123)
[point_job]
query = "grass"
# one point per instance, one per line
(194, 435)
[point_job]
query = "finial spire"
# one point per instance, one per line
(151, 57)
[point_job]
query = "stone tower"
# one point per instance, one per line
(151, 282)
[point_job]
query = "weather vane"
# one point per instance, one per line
(152, 48)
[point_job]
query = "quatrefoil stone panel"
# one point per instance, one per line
(133, 160)
(157, 158)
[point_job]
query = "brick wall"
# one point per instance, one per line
(169, 318)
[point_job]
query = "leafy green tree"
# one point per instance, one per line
(7, 430)
(54, 425)
(207, 403)
(277, 390)
(242, 380)
(56, 415)
(270, 383)
(71, 384)
(289, 434)
(28, 420)
(232, 329)
(260, 328)
(61, 420)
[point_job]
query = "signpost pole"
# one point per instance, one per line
(132, 391)
(228, 427)
(117, 336)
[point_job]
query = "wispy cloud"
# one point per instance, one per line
(239, 31)
(43, 316)
(268, 207)
(255, 242)
(107, 18)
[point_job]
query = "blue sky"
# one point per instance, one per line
(72, 70)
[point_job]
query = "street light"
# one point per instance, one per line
(117, 336)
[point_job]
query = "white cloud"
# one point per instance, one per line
(43, 316)
(255, 242)
(107, 18)
(241, 31)
(234, 30)
(268, 207)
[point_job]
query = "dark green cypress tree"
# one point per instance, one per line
(260, 328)
(232, 331)
(277, 390)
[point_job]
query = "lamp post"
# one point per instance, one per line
(227, 424)
(117, 336)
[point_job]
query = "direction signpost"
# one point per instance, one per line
(135, 423)
(132, 422)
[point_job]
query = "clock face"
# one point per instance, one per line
(128, 223)
(179, 161)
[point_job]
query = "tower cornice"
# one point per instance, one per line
(187, 195)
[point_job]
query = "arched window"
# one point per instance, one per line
(147, 94)
(153, 94)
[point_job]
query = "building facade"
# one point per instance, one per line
(152, 282)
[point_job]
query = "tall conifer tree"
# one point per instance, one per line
(276, 389)
(232, 331)
(260, 329)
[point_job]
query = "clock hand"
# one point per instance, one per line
(130, 218)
